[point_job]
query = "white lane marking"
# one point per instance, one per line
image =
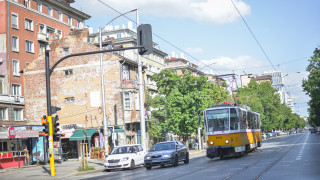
(299, 156)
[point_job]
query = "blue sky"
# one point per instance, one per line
(212, 32)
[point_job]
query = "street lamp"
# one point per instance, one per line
(105, 120)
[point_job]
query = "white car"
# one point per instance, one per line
(125, 157)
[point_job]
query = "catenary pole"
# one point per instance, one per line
(105, 120)
(142, 117)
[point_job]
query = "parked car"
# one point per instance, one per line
(166, 153)
(264, 136)
(125, 157)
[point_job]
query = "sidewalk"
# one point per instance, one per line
(65, 169)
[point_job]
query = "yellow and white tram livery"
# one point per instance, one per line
(231, 130)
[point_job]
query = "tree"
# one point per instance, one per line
(311, 86)
(182, 98)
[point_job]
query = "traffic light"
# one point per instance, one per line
(55, 124)
(145, 39)
(45, 123)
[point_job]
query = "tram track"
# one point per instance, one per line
(265, 170)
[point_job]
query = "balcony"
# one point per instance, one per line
(11, 99)
(130, 84)
(42, 37)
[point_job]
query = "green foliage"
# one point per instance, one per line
(264, 99)
(311, 86)
(181, 99)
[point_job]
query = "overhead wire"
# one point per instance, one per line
(159, 36)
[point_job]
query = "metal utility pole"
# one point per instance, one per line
(142, 120)
(49, 117)
(105, 120)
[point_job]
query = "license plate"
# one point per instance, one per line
(113, 164)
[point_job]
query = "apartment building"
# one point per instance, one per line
(127, 37)
(25, 26)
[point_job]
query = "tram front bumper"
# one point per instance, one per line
(216, 151)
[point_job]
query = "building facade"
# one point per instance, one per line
(76, 89)
(25, 26)
(127, 37)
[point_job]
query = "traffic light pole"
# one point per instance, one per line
(49, 117)
(48, 91)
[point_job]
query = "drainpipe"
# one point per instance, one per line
(123, 114)
(9, 67)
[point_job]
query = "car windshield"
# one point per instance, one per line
(163, 146)
(123, 150)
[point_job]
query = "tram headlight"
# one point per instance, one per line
(227, 141)
(211, 142)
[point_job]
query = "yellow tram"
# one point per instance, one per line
(231, 130)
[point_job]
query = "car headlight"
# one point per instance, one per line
(166, 156)
(125, 159)
(227, 141)
(148, 157)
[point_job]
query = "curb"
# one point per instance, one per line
(197, 152)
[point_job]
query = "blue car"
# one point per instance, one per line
(166, 153)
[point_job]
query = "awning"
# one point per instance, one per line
(80, 135)
(118, 130)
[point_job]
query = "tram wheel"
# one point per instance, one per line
(221, 156)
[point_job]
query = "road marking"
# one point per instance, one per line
(299, 156)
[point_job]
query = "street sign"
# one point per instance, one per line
(12, 132)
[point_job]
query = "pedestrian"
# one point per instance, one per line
(26, 155)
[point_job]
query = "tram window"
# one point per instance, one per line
(245, 120)
(233, 119)
(218, 120)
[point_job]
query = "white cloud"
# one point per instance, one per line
(194, 50)
(215, 11)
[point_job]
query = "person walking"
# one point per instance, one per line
(26, 155)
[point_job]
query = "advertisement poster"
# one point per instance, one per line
(38, 149)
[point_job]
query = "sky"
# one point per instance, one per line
(282, 35)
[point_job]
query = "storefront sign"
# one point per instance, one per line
(56, 144)
(27, 134)
(12, 132)
(4, 135)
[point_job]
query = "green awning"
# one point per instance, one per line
(80, 135)
(118, 130)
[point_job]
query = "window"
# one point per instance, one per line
(42, 48)
(28, 24)
(50, 11)
(68, 72)
(15, 67)
(69, 20)
(127, 101)
(29, 46)
(50, 31)
(39, 7)
(14, 21)
(42, 28)
(66, 51)
(60, 34)
(3, 146)
(60, 16)
(26, 3)
(136, 100)
(15, 43)
(126, 72)
(233, 119)
(118, 36)
(69, 100)
(16, 89)
(1, 86)
(3, 114)
(17, 114)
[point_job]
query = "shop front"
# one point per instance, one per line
(15, 146)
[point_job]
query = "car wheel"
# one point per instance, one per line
(186, 161)
(176, 161)
(108, 170)
(148, 167)
(132, 165)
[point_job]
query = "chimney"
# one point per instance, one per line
(130, 25)
(173, 54)
(182, 55)
(116, 27)
(123, 26)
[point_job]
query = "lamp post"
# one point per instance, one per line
(105, 120)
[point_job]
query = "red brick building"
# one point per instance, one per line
(25, 26)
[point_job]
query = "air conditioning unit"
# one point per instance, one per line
(17, 98)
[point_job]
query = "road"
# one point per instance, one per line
(287, 158)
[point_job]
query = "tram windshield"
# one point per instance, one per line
(218, 119)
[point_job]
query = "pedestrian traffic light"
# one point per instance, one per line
(55, 124)
(45, 123)
(144, 34)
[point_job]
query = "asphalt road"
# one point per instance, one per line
(293, 157)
